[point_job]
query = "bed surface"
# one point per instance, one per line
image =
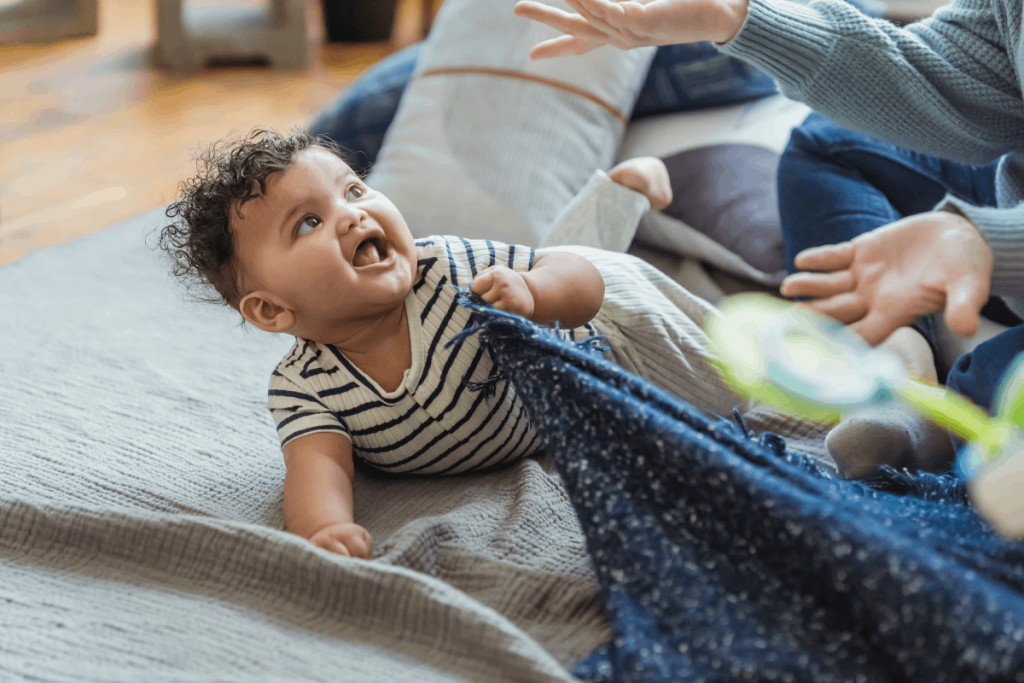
(140, 511)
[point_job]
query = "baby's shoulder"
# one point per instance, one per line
(300, 363)
(438, 246)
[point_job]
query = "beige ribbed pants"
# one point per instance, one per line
(655, 329)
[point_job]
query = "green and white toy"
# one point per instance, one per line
(812, 366)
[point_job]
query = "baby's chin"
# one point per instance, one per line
(328, 327)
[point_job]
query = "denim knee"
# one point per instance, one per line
(978, 375)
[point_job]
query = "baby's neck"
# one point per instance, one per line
(381, 349)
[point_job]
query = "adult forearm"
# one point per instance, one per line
(916, 87)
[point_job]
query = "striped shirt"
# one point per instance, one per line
(434, 422)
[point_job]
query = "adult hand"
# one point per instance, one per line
(886, 278)
(633, 23)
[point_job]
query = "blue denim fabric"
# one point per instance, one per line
(835, 184)
(979, 374)
(698, 76)
(723, 558)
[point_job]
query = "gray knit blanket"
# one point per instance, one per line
(141, 532)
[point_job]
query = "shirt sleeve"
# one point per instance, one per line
(945, 86)
(467, 257)
(472, 256)
(297, 410)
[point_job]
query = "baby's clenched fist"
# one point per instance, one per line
(350, 540)
(505, 289)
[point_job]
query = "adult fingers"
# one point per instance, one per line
(614, 25)
(594, 20)
(817, 285)
(828, 257)
(563, 46)
(572, 24)
(964, 301)
(876, 327)
(604, 9)
(846, 308)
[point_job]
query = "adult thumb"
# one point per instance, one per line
(964, 301)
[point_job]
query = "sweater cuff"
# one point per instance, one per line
(787, 39)
(1003, 229)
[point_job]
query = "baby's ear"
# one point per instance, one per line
(261, 310)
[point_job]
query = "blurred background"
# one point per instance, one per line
(100, 116)
(94, 131)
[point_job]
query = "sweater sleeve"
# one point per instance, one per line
(944, 86)
(1004, 231)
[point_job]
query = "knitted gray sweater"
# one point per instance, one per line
(949, 86)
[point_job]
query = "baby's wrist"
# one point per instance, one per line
(531, 305)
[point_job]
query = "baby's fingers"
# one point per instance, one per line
(483, 282)
(826, 258)
(360, 546)
(333, 545)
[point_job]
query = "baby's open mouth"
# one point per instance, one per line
(369, 252)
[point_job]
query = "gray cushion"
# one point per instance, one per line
(728, 193)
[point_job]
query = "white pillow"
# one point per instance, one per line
(486, 143)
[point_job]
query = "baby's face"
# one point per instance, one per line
(325, 245)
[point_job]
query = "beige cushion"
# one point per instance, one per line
(488, 144)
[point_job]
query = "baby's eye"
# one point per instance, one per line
(307, 224)
(354, 192)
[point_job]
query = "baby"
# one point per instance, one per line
(288, 235)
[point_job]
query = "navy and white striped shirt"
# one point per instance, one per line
(432, 423)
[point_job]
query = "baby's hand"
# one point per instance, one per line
(648, 176)
(505, 289)
(350, 540)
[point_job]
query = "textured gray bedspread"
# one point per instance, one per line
(140, 511)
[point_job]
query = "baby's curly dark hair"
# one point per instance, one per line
(228, 174)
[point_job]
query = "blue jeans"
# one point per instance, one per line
(835, 184)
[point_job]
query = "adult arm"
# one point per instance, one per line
(945, 86)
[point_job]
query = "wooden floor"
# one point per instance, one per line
(91, 133)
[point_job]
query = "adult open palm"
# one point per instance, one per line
(885, 279)
(633, 23)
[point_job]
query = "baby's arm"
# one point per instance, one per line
(318, 494)
(560, 287)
